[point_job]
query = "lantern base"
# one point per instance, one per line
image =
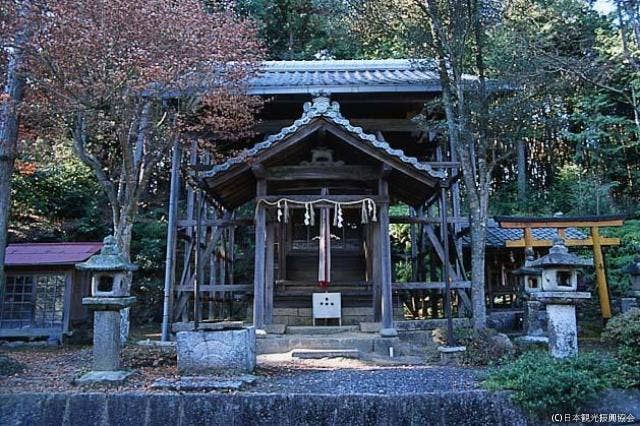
(104, 378)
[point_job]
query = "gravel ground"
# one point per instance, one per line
(346, 376)
(54, 369)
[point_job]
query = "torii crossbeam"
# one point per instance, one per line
(561, 223)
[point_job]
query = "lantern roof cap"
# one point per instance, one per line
(559, 256)
(109, 259)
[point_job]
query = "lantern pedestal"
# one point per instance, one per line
(106, 339)
(561, 314)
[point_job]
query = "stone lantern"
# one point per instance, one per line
(108, 297)
(559, 294)
(535, 317)
(633, 269)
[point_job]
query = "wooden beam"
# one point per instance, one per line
(331, 198)
(227, 288)
(508, 224)
(601, 278)
(432, 220)
(588, 242)
(384, 157)
(438, 285)
(269, 274)
(259, 262)
(322, 172)
(384, 259)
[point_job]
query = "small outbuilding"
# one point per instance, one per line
(44, 291)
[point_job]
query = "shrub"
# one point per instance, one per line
(9, 366)
(484, 347)
(542, 384)
(623, 335)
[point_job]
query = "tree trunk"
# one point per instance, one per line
(522, 173)
(123, 237)
(9, 122)
(478, 237)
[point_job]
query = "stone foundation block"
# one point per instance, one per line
(217, 352)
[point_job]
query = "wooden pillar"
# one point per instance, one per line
(172, 232)
(528, 238)
(376, 269)
(199, 264)
(259, 263)
(269, 274)
(601, 278)
(388, 329)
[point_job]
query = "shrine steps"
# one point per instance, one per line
(323, 330)
(325, 353)
(353, 341)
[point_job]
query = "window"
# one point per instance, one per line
(563, 278)
(17, 303)
(532, 282)
(35, 300)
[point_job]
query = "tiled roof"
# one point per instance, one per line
(346, 76)
(49, 253)
(497, 237)
(323, 107)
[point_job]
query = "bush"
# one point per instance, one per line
(543, 384)
(484, 347)
(623, 335)
(9, 366)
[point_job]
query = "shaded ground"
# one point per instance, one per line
(54, 369)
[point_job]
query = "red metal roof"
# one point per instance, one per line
(49, 253)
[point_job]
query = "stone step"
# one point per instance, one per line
(325, 353)
(322, 330)
(365, 343)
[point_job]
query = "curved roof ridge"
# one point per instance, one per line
(321, 106)
(346, 64)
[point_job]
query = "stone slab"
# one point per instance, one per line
(104, 378)
(560, 297)
(211, 352)
(108, 303)
(207, 326)
(208, 383)
(275, 328)
(322, 330)
(325, 353)
(451, 355)
(370, 327)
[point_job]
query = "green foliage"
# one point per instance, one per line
(622, 333)
(148, 249)
(619, 257)
(61, 199)
(302, 29)
(542, 384)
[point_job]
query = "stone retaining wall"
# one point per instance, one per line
(141, 409)
(94, 409)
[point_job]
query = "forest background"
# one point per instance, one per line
(577, 149)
